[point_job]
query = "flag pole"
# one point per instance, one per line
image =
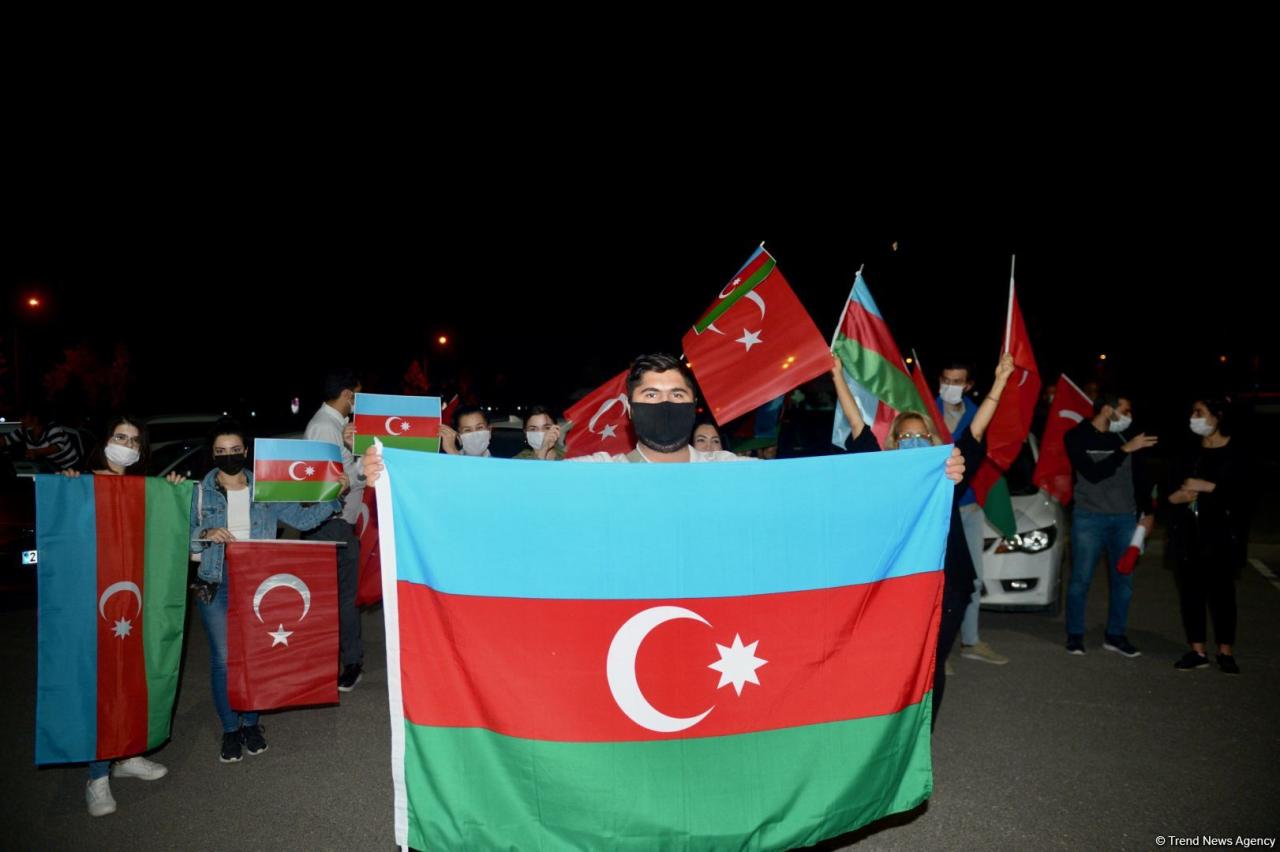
(840, 322)
(1008, 323)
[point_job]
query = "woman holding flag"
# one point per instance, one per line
(911, 429)
(222, 511)
(125, 452)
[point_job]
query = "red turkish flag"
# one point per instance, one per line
(1012, 420)
(601, 421)
(282, 624)
(930, 404)
(1053, 470)
(755, 343)
(369, 588)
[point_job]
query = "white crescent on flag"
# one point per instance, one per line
(750, 294)
(291, 581)
(293, 475)
(392, 430)
(620, 668)
(605, 406)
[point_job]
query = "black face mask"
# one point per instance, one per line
(230, 465)
(663, 427)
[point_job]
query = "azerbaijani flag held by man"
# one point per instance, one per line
(288, 471)
(703, 687)
(407, 422)
(873, 367)
(113, 596)
(754, 343)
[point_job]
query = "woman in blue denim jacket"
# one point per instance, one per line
(221, 511)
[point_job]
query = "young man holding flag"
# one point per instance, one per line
(330, 424)
(954, 385)
(1110, 491)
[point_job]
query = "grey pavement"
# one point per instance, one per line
(1048, 752)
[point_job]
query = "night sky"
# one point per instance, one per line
(247, 310)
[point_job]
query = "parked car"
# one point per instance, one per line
(1024, 571)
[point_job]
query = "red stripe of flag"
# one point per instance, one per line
(417, 427)
(120, 505)
(871, 332)
(280, 471)
(538, 668)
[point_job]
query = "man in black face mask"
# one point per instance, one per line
(663, 409)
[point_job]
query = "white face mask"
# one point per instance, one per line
(535, 439)
(952, 394)
(1123, 423)
(122, 456)
(475, 443)
(1201, 427)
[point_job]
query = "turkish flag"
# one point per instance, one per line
(1012, 420)
(282, 624)
(930, 404)
(601, 421)
(1053, 470)
(369, 588)
(755, 343)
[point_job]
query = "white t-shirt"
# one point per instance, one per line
(238, 514)
(694, 456)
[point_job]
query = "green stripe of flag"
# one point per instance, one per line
(166, 553)
(738, 292)
(295, 492)
(888, 381)
(470, 788)
(426, 445)
(998, 507)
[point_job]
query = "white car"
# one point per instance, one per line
(1025, 571)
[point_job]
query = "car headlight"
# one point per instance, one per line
(1034, 541)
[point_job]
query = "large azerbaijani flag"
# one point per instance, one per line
(113, 596)
(289, 471)
(761, 686)
(407, 422)
(873, 367)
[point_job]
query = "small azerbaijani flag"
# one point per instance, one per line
(113, 599)
(404, 422)
(286, 471)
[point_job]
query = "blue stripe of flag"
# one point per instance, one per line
(67, 653)
(605, 531)
(386, 405)
(282, 449)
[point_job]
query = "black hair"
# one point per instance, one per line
(468, 409)
(1222, 411)
(958, 365)
(337, 381)
(1108, 397)
(658, 363)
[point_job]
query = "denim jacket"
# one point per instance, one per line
(209, 511)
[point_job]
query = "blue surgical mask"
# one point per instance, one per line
(913, 443)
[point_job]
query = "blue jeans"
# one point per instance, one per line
(99, 769)
(972, 520)
(214, 617)
(1091, 534)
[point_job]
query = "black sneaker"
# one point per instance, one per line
(251, 736)
(1227, 663)
(350, 677)
(1121, 646)
(1192, 660)
(231, 748)
(1075, 644)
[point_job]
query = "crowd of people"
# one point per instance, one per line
(1205, 503)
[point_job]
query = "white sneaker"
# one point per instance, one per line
(97, 795)
(138, 767)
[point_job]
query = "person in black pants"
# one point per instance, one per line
(912, 429)
(1208, 498)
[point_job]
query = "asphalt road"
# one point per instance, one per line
(1048, 752)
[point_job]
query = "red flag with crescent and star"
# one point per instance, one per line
(282, 624)
(755, 343)
(601, 421)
